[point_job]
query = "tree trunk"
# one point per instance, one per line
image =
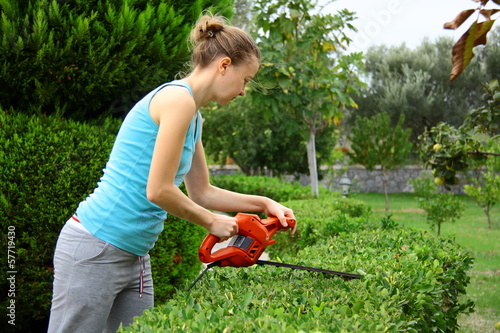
(439, 229)
(311, 158)
(487, 212)
(384, 185)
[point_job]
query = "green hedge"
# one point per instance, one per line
(412, 282)
(321, 218)
(270, 187)
(47, 166)
(174, 259)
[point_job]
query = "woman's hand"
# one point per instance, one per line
(281, 212)
(223, 226)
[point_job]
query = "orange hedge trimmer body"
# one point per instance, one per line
(245, 249)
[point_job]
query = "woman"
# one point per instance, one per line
(102, 268)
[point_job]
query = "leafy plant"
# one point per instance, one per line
(272, 187)
(440, 207)
(449, 150)
(260, 144)
(485, 187)
(82, 59)
(47, 166)
(375, 143)
(411, 282)
(387, 222)
(304, 72)
(486, 194)
(322, 218)
(474, 36)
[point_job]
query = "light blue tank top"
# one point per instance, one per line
(118, 211)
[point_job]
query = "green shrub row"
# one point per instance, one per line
(47, 166)
(411, 282)
(273, 188)
(322, 218)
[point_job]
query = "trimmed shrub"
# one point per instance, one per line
(411, 283)
(323, 218)
(84, 58)
(174, 259)
(47, 166)
(270, 187)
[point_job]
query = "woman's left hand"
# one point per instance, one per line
(276, 209)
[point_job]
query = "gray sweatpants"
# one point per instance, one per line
(96, 285)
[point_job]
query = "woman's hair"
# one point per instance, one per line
(212, 36)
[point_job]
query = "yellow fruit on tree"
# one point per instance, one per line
(437, 147)
(439, 181)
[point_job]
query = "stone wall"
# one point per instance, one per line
(365, 181)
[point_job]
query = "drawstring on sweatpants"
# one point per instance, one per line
(142, 270)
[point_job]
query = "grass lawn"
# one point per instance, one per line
(471, 231)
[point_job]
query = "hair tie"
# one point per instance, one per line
(210, 33)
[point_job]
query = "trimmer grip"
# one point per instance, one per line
(291, 222)
(273, 224)
(205, 252)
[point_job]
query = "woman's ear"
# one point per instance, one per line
(224, 64)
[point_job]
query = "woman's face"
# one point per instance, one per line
(235, 79)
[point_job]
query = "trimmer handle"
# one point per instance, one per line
(254, 235)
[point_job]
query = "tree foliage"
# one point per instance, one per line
(449, 150)
(414, 82)
(463, 51)
(304, 72)
(440, 207)
(82, 58)
(485, 184)
(243, 17)
(375, 143)
(260, 144)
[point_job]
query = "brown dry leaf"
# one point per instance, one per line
(463, 49)
(497, 2)
(461, 18)
(488, 12)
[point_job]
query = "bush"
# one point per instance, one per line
(88, 57)
(323, 218)
(47, 166)
(174, 259)
(439, 207)
(411, 282)
(260, 143)
(273, 188)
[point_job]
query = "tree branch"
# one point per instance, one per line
(482, 153)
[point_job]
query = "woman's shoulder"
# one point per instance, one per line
(172, 98)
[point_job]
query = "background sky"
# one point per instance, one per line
(393, 22)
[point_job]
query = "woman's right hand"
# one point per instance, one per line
(223, 226)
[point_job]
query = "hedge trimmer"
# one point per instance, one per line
(245, 249)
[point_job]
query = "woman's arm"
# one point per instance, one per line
(211, 197)
(174, 111)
